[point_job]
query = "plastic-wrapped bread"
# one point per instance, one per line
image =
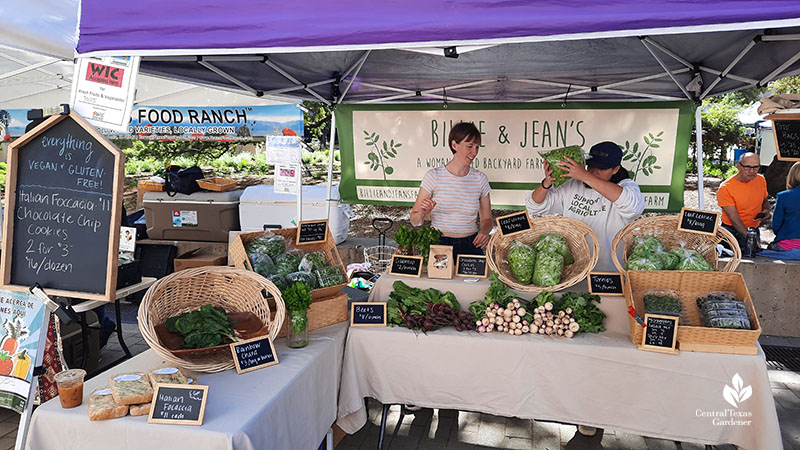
(140, 410)
(102, 405)
(131, 388)
(167, 375)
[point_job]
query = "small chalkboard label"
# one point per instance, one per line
(787, 136)
(660, 333)
(368, 314)
(178, 404)
(605, 283)
(406, 266)
(699, 221)
(471, 266)
(312, 232)
(254, 354)
(514, 223)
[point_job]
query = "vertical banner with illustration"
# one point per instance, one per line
(386, 149)
(22, 317)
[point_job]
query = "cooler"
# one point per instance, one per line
(260, 205)
(202, 216)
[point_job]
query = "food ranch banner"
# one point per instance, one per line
(386, 149)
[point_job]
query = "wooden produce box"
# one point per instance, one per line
(217, 184)
(323, 312)
(196, 258)
(240, 259)
(690, 285)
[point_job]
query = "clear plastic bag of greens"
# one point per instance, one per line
(646, 246)
(662, 301)
(554, 157)
(521, 259)
(329, 276)
(691, 260)
(262, 264)
(643, 263)
(302, 277)
(288, 262)
(313, 261)
(548, 269)
(279, 281)
(554, 243)
(269, 243)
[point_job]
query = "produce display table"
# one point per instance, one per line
(289, 405)
(600, 380)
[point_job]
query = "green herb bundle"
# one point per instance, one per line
(297, 297)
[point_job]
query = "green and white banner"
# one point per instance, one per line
(386, 149)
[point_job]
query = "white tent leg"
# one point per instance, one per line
(330, 165)
(699, 134)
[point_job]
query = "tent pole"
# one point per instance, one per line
(330, 164)
(699, 135)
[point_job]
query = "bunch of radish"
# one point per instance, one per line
(549, 322)
(514, 319)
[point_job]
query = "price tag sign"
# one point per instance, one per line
(699, 221)
(406, 266)
(368, 314)
(471, 266)
(660, 333)
(178, 404)
(605, 283)
(786, 129)
(254, 354)
(312, 232)
(514, 223)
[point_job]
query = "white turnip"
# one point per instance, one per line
(521, 311)
(569, 334)
(548, 306)
(568, 310)
(526, 329)
(516, 319)
(517, 332)
(548, 330)
(574, 327)
(481, 329)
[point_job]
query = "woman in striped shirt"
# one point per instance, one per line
(456, 195)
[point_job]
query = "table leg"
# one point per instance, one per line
(84, 340)
(119, 329)
(383, 425)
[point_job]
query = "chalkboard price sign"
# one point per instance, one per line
(312, 232)
(471, 266)
(253, 354)
(63, 210)
(660, 333)
(786, 129)
(368, 314)
(605, 283)
(406, 266)
(699, 221)
(178, 404)
(514, 223)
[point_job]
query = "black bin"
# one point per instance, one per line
(157, 259)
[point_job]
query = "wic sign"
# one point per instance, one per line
(100, 73)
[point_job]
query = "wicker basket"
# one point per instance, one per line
(691, 285)
(574, 231)
(665, 228)
(216, 184)
(239, 255)
(235, 290)
(323, 312)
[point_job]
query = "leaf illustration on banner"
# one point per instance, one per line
(645, 163)
(381, 153)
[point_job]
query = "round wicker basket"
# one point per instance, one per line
(235, 290)
(665, 228)
(574, 231)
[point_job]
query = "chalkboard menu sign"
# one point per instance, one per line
(178, 404)
(699, 221)
(514, 223)
(312, 232)
(63, 208)
(786, 129)
(471, 266)
(406, 266)
(368, 314)
(605, 283)
(253, 354)
(660, 333)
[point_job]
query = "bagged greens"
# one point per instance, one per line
(329, 276)
(548, 268)
(553, 157)
(719, 310)
(554, 243)
(262, 264)
(646, 245)
(521, 259)
(641, 263)
(691, 260)
(302, 277)
(313, 261)
(662, 303)
(279, 281)
(270, 243)
(288, 262)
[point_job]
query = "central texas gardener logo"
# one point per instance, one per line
(100, 73)
(738, 393)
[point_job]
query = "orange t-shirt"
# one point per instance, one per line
(748, 198)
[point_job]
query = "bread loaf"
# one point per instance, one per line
(102, 405)
(167, 375)
(140, 410)
(131, 388)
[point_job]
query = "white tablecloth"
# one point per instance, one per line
(291, 405)
(601, 380)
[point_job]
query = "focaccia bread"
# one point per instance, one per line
(166, 375)
(131, 388)
(140, 410)
(102, 405)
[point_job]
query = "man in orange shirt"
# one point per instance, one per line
(743, 199)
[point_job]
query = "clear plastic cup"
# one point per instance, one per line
(70, 387)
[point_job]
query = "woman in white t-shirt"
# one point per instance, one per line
(457, 195)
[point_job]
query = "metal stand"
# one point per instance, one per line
(383, 425)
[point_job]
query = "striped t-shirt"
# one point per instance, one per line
(457, 199)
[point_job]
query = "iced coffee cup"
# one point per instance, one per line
(70, 387)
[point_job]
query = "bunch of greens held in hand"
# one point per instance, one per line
(205, 327)
(297, 298)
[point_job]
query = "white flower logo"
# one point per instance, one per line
(736, 394)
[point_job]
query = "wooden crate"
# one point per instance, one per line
(240, 259)
(323, 312)
(690, 285)
(216, 184)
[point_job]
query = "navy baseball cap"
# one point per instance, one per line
(604, 155)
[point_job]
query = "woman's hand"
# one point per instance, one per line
(574, 170)
(426, 206)
(481, 240)
(548, 176)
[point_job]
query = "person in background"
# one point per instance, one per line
(786, 220)
(601, 195)
(743, 199)
(457, 195)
